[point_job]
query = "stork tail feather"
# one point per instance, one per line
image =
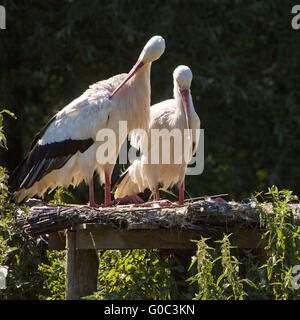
(42, 160)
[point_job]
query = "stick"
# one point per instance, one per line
(205, 197)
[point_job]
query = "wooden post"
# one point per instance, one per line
(81, 269)
(87, 271)
(71, 285)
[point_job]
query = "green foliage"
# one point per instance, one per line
(271, 280)
(217, 272)
(282, 236)
(62, 196)
(208, 288)
(20, 253)
(2, 135)
(53, 276)
(132, 274)
(230, 266)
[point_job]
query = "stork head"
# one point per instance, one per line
(182, 80)
(153, 49)
(183, 76)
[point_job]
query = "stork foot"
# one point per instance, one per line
(133, 198)
(160, 203)
(93, 204)
(219, 199)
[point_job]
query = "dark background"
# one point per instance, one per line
(244, 56)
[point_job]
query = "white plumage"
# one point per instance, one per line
(64, 151)
(175, 114)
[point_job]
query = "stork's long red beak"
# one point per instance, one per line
(185, 94)
(132, 72)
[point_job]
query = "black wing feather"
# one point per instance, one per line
(42, 159)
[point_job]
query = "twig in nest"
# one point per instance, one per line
(205, 197)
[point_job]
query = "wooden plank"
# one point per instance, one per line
(247, 238)
(89, 236)
(135, 239)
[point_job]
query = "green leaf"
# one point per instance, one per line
(9, 113)
(220, 278)
(192, 263)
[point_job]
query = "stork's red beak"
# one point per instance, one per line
(185, 95)
(132, 72)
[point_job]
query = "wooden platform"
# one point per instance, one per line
(82, 230)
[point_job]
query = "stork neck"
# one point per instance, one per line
(179, 104)
(143, 75)
(138, 102)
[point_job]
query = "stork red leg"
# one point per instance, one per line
(157, 197)
(107, 199)
(93, 204)
(181, 193)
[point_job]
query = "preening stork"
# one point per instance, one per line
(179, 114)
(64, 151)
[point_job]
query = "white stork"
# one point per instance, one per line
(64, 151)
(177, 113)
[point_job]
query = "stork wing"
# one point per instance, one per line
(42, 159)
(71, 130)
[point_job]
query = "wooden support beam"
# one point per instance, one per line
(81, 269)
(93, 236)
(134, 239)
